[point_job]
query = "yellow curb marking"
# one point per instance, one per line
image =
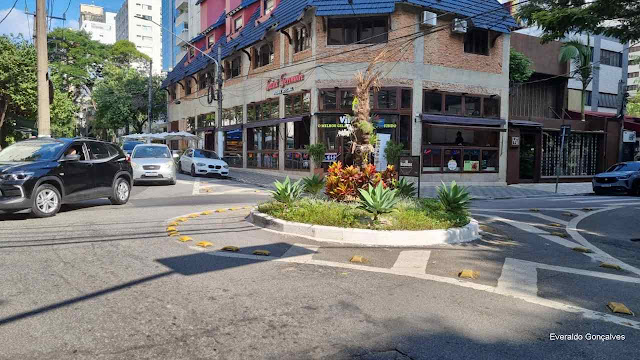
(231, 248)
(208, 212)
(185, 238)
(193, 216)
(204, 244)
(181, 219)
(582, 249)
(221, 210)
(610, 266)
(358, 259)
(262, 252)
(171, 228)
(619, 308)
(468, 274)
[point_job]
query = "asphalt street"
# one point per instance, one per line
(106, 282)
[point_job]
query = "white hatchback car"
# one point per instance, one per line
(153, 163)
(202, 162)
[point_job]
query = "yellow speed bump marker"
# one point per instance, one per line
(556, 225)
(185, 238)
(221, 210)
(568, 214)
(619, 308)
(582, 249)
(171, 228)
(204, 244)
(231, 248)
(559, 234)
(587, 209)
(610, 266)
(181, 219)
(173, 223)
(468, 274)
(358, 259)
(262, 252)
(193, 216)
(174, 233)
(208, 212)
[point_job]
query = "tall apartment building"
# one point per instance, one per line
(99, 23)
(633, 81)
(182, 18)
(139, 21)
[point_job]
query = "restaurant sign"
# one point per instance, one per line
(283, 81)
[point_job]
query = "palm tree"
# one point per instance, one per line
(579, 54)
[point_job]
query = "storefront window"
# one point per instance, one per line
(206, 120)
(329, 99)
(453, 105)
(405, 131)
(471, 160)
(452, 159)
(406, 99)
(328, 127)
(432, 103)
(491, 107)
(346, 99)
(472, 106)
(297, 134)
(233, 147)
(387, 99)
(490, 160)
(266, 110)
(262, 147)
(232, 116)
(431, 159)
(297, 104)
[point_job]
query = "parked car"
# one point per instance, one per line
(43, 174)
(202, 162)
(153, 162)
(128, 146)
(620, 177)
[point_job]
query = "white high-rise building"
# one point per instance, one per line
(139, 22)
(633, 82)
(99, 23)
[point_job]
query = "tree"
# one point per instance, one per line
(580, 54)
(633, 106)
(519, 67)
(557, 18)
(124, 53)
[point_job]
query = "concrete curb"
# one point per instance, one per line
(366, 237)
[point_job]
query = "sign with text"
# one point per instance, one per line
(330, 157)
(629, 136)
(283, 81)
(515, 141)
(409, 166)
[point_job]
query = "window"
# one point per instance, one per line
(210, 41)
(587, 96)
(453, 105)
(97, 151)
(459, 150)
(608, 100)
(236, 67)
(405, 99)
(329, 99)
(264, 56)
(144, 17)
(363, 30)
(432, 103)
(476, 41)
(632, 87)
(472, 106)
(172, 92)
(297, 134)
(387, 99)
(634, 75)
(297, 104)
(237, 24)
(187, 87)
(346, 99)
(610, 58)
(302, 40)
(192, 52)
(468, 105)
(634, 49)
(491, 107)
(267, 5)
(232, 116)
(202, 81)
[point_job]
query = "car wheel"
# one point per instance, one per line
(46, 201)
(173, 181)
(635, 190)
(121, 192)
(193, 171)
(180, 168)
(598, 191)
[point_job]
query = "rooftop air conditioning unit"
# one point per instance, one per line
(459, 26)
(429, 18)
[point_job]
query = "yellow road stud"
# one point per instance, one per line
(587, 209)
(208, 212)
(468, 274)
(556, 225)
(619, 308)
(262, 252)
(171, 228)
(185, 238)
(204, 244)
(173, 233)
(582, 249)
(231, 248)
(610, 266)
(568, 214)
(221, 210)
(358, 259)
(193, 216)
(173, 223)
(181, 219)
(559, 234)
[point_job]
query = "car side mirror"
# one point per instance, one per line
(71, 157)
(175, 156)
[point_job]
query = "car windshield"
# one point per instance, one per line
(205, 154)
(128, 146)
(625, 167)
(31, 151)
(148, 152)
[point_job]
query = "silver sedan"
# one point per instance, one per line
(153, 163)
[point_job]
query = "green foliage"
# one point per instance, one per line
(405, 188)
(455, 199)
(63, 112)
(124, 53)
(313, 184)
(286, 192)
(423, 214)
(365, 126)
(520, 69)
(392, 152)
(378, 200)
(317, 151)
(633, 106)
(557, 18)
(580, 54)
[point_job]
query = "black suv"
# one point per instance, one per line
(42, 174)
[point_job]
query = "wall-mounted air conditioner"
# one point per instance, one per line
(429, 18)
(459, 26)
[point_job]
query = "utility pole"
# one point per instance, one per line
(44, 114)
(149, 112)
(220, 136)
(621, 103)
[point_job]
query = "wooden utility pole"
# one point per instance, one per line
(44, 115)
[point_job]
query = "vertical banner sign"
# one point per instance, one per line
(410, 166)
(381, 159)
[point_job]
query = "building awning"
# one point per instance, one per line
(525, 123)
(459, 120)
(272, 122)
(231, 127)
(633, 126)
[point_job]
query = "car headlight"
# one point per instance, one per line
(19, 176)
(225, 166)
(201, 164)
(135, 165)
(623, 177)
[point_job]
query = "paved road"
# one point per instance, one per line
(105, 282)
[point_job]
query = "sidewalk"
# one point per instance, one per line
(480, 192)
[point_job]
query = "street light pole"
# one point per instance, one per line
(219, 136)
(44, 114)
(149, 112)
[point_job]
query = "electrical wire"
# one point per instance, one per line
(9, 13)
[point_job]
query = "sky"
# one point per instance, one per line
(20, 23)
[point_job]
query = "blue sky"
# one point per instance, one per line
(19, 23)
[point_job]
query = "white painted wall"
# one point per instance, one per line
(146, 35)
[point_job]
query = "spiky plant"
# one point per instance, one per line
(405, 189)
(313, 184)
(378, 200)
(286, 192)
(455, 198)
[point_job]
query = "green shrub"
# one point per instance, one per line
(313, 184)
(378, 200)
(286, 192)
(455, 198)
(405, 188)
(392, 152)
(316, 152)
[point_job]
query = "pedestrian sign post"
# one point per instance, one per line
(565, 132)
(410, 166)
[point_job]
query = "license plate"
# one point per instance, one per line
(151, 174)
(606, 185)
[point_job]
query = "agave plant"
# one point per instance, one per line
(286, 192)
(405, 189)
(454, 198)
(378, 200)
(313, 184)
